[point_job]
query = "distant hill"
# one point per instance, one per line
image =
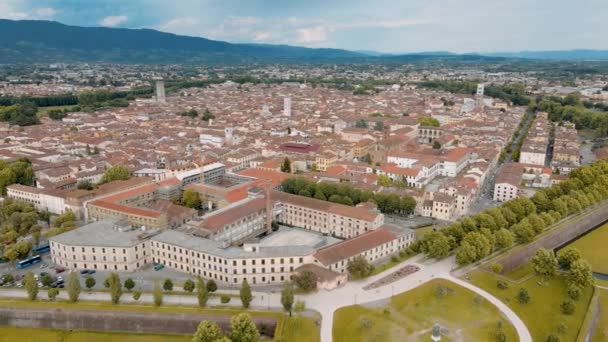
(48, 41)
(568, 55)
(35, 41)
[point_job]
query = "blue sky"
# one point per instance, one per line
(381, 25)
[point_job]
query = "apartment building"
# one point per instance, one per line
(325, 217)
(534, 148)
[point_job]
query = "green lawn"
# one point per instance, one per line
(420, 232)
(601, 329)
(410, 316)
(592, 247)
(542, 315)
(295, 329)
(301, 329)
(11, 334)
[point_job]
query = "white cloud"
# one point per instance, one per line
(182, 25)
(10, 9)
(262, 36)
(312, 35)
(113, 20)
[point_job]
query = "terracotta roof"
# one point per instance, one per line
(126, 209)
(216, 221)
(351, 247)
(334, 208)
(274, 177)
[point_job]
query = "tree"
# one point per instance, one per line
(544, 263)
(207, 115)
(157, 294)
(207, 331)
(73, 287)
(523, 232)
(379, 126)
(567, 257)
(46, 280)
(191, 199)
(436, 145)
(567, 307)
(523, 296)
(52, 293)
(188, 285)
(136, 294)
(580, 274)
(300, 306)
(504, 238)
(85, 184)
(31, 286)
(115, 287)
(201, 292)
(384, 180)
(116, 172)
(428, 121)
(245, 294)
(466, 254)
(129, 284)
(305, 280)
(286, 166)
(168, 285)
(359, 267)
(287, 297)
(574, 292)
(243, 329)
(553, 338)
(211, 285)
(439, 247)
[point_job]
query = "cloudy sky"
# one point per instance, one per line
(380, 25)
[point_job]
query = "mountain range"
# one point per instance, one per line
(37, 41)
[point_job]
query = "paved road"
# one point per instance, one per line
(326, 302)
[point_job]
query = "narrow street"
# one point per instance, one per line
(486, 197)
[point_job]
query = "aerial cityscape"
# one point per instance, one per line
(303, 171)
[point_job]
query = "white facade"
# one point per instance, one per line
(287, 106)
(505, 191)
(535, 158)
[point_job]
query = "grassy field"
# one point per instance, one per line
(295, 329)
(542, 315)
(11, 334)
(420, 232)
(592, 247)
(601, 329)
(410, 316)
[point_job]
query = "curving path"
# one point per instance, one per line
(327, 302)
(520, 327)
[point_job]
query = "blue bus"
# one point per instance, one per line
(42, 249)
(29, 262)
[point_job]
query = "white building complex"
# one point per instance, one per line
(236, 242)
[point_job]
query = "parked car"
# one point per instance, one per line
(91, 272)
(159, 267)
(59, 269)
(58, 283)
(84, 272)
(18, 277)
